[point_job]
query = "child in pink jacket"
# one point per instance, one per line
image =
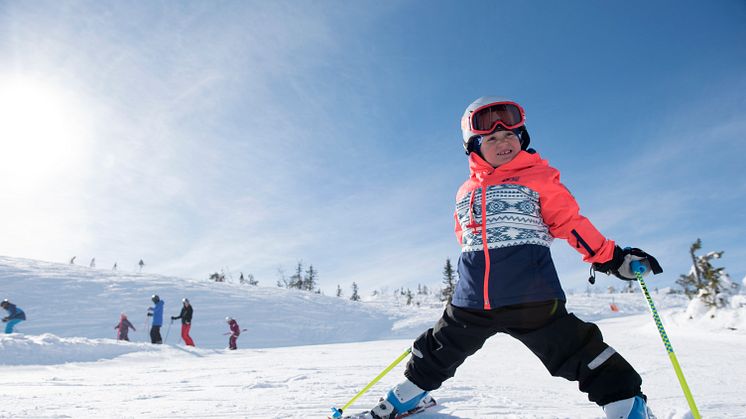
(123, 328)
(507, 214)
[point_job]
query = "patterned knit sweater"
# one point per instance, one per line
(517, 209)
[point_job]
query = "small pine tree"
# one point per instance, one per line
(409, 296)
(629, 288)
(311, 278)
(339, 291)
(355, 296)
(251, 281)
(710, 284)
(296, 280)
(282, 282)
(692, 282)
(449, 282)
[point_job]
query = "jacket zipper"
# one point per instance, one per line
(485, 248)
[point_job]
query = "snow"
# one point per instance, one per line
(304, 353)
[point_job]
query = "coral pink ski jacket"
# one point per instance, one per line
(517, 209)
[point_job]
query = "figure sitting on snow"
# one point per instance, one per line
(123, 328)
(156, 312)
(235, 332)
(15, 315)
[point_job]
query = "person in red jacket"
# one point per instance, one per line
(235, 332)
(507, 214)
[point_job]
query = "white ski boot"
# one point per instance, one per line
(403, 400)
(632, 408)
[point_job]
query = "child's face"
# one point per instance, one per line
(500, 147)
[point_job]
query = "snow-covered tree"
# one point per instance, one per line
(449, 282)
(282, 282)
(296, 280)
(252, 281)
(309, 281)
(709, 284)
(629, 288)
(355, 296)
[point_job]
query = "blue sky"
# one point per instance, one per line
(250, 135)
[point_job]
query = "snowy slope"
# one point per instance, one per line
(75, 301)
(76, 371)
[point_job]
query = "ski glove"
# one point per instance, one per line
(150, 314)
(619, 265)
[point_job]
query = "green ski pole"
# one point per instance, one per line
(338, 412)
(638, 268)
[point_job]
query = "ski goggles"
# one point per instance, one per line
(485, 119)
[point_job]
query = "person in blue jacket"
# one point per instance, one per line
(15, 315)
(156, 312)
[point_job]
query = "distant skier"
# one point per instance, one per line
(123, 328)
(72, 260)
(15, 315)
(235, 332)
(93, 263)
(507, 214)
(186, 321)
(156, 312)
(114, 268)
(141, 264)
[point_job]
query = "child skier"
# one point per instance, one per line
(123, 328)
(156, 312)
(186, 321)
(15, 315)
(235, 332)
(514, 202)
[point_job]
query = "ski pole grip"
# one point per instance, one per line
(637, 267)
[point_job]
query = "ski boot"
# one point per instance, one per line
(632, 408)
(403, 400)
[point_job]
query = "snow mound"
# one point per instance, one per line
(731, 318)
(48, 349)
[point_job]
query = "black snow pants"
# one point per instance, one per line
(155, 335)
(568, 347)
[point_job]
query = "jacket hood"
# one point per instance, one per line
(479, 169)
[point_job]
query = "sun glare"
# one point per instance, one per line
(42, 132)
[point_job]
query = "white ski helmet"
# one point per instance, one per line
(228, 319)
(468, 133)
